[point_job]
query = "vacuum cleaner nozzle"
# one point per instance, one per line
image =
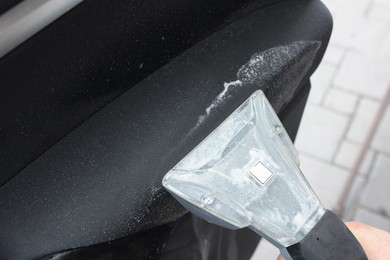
(246, 174)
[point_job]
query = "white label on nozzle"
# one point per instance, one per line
(260, 172)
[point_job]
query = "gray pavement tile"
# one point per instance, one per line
(356, 7)
(347, 155)
(385, 49)
(379, 13)
(381, 140)
(371, 36)
(352, 201)
(345, 26)
(366, 75)
(372, 218)
(333, 55)
(376, 195)
(321, 132)
(385, 3)
(321, 81)
(362, 120)
(341, 101)
(326, 179)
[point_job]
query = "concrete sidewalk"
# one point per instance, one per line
(347, 91)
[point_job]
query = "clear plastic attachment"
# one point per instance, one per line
(246, 174)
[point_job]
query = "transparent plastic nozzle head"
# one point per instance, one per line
(246, 174)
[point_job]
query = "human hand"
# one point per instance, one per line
(375, 242)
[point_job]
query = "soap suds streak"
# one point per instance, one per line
(277, 71)
(218, 100)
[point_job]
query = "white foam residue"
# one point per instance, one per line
(218, 100)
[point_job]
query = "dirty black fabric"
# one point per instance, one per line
(188, 238)
(75, 66)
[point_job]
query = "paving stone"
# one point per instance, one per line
(317, 94)
(320, 132)
(265, 251)
(347, 155)
(376, 195)
(370, 37)
(352, 201)
(326, 179)
(345, 26)
(341, 101)
(358, 7)
(333, 55)
(372, 218)
(362, 120)
(364, 74)
(379, 13)
(385, 49)
(381, 140)
(320, 81)
(385, 3)
(323, 75)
